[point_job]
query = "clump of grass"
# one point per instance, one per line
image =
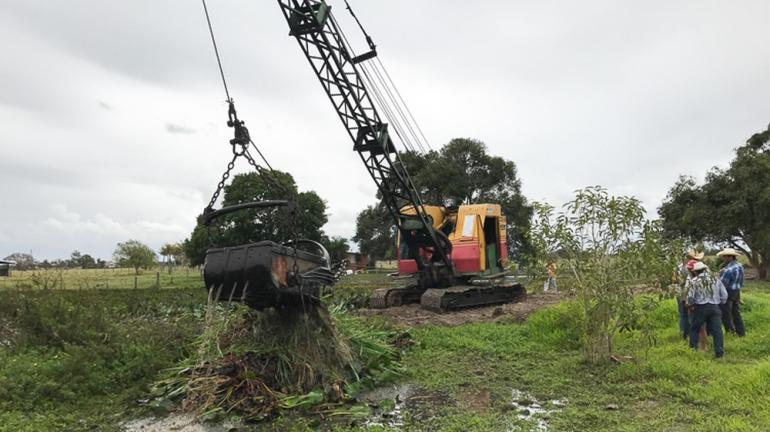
(253, 364)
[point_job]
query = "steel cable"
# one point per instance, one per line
(377, 93)
(216, 51)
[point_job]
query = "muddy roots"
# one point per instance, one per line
(254, 363)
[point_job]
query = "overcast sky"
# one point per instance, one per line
(112, 121)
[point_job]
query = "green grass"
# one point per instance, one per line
(83, 358)
(356, 289)
(669, 387)
(119, 278)
(79, 360)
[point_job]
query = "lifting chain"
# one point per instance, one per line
(221, 185)
(240, 146)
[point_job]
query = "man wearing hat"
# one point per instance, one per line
(732, 278)
(681, 276)
(704, 295)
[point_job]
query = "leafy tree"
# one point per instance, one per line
(87, 262)
(134, 254)
(166, 252)
(74, 260)
(732, 206)
(337, 247)
(249, 226)
(608, 248)
(461, 172)
(375, 233)
(78, 259)
(172, 253)
(23, 261)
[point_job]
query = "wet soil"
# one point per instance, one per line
(176, 423)
(413, 315)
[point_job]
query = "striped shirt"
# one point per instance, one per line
(732, 276)
(705, 288)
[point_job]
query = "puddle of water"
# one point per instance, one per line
(175, 423)
(388, 405)
(533, 411)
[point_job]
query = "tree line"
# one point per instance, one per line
(129, 254)
(731, 207)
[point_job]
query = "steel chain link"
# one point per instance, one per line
(221, 184)
(292, 220)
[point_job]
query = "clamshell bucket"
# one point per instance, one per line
(261, 274)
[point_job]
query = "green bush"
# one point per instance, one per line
(70, 349)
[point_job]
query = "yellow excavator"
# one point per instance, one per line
(478, 252)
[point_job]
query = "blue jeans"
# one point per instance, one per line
(711, 315)
(550, 283)
(684, 319)
(731, 313)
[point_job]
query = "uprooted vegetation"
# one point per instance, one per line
(255, 364)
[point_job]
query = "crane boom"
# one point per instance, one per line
(313, 25)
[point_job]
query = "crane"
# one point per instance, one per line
(424, 230)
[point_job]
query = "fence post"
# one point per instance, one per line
(136, 282)
(157, 280)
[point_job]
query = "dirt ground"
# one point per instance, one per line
(413, 315)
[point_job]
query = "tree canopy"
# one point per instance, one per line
(134, 254)
(731, 207)
(337, 247)
(462, 172)
(376, 233)
(249, 226)
(173, 253)
(24, 261)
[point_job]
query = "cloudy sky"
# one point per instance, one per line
(112, 115)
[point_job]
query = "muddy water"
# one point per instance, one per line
(175, 423)
(389, 404)
(533, 411)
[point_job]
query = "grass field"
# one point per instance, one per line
(80, 360)
(118, 278)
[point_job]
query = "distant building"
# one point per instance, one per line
(358, 261)
(5, 268)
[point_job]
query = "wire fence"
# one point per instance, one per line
(117, 278)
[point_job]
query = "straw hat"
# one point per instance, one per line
(695, 255)
(728, 252)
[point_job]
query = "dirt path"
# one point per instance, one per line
(413, 315)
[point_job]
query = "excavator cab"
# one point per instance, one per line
(477, 234)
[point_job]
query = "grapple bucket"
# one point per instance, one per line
(261, 274)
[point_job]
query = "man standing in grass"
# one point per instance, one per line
(732, 278)
(681, 276)
(704, 295)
